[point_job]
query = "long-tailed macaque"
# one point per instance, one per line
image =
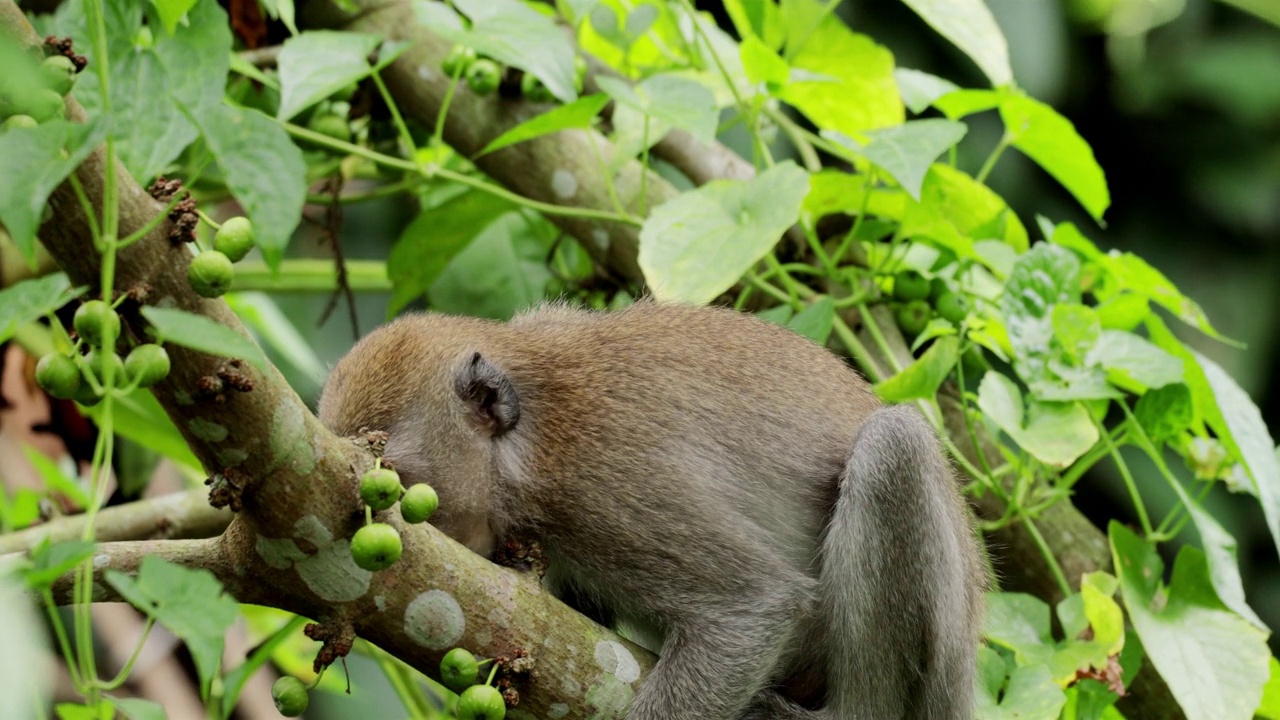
(800, 550)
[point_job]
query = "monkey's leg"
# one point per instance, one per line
(769, 705)
(717, 658)
(898, 586)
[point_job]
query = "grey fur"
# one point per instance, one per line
(711, 478)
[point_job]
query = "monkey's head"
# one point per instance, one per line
(427, 382)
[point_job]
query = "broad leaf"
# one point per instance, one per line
(1056, 433)
(200, 333)
(763, 65)
(190, 603)
(35, 162)
(907, 151)
(501, 271)
(171, 12)
(1270, 707)
(954, 210)
(921, 379)
(920, 89)
(140, 419)
(970, 25)
(852, 87)
(50, 561)
(1137, 275)
(263, 169)
(1052, 141)
(318, 63)
(1028, 694)
(696, 245)
(32, 299)
(139, 709)
(577, 115)
(1213, 661)
(675, 101)
(1165, 412)
(1135, 363)
(815, 321)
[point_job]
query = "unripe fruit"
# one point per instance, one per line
(484, 76)
(97, 323)
(913, 316)
(418, 503)
(376, 547)
(234, 239)
(534, 91)
(85, 395)
(98, 359)
(59, 73)
(458, 61)
(290, 696)
(210, 274)
(58, 375)
(44, 105)
(953, 307)
(937, 288)
(330, 125)
(380, 488)
(910, 285)
(458, 668)
(481, 702)
(19, 122)
(147, 365)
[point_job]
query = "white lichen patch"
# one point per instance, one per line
(609, 698)
(101, 561)
(557, 710)
(434, 620)
(564, 184)
(616, 660)
(600, 238)
(278, 553)
(332, 575)
(288, 446)
(569, 686)
(231, 457)
(207, 430)
(380, 602)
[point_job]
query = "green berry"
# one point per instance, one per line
(44, 105)
(481, 702)
(290, 696)
(484, 76)
(331, 125)
(234, 239)
(418, 503)
(97, 323)
(953, 307)
(913, 316)
(85, 395)
(98, 360)
(59, 73)
(144, 39)
(147, 365)
(534, 91)
(937, 288)
(376, 547)
(58, 375)
(19, 122)
(380, 488)
(458, 668)
(210, 274)
(458, 61)
(910, 285)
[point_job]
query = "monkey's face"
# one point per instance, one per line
(418, 381)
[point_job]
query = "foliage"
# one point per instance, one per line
(1064, 355)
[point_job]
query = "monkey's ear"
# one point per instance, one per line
(489, 393)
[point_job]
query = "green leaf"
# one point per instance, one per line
(434, 238)
(763, 65)
(577, 115)
(907, 151)
(954, 209)
(1165, 412)
(1030, 693)
(171, 12)
(1221, 553)
(50, 561)
(513, 34)
(1134, 363)
(203, 334)
(318, 63)
(835, 191)
(190, 603)
(35, 162)
(673, 100)
(1123, 312)
(815, 321)
(32, 299)
(920, 89)
(1052, 141)
(1239, 425)
(961, 103)
(1137, 275)
(971, 27)
(696, 245)
(921, 379)
(1019, 622)
(1213, 661)
(851, 87)
(1076, 327)
(502, 271)
(139, 417)
(139, 709)
(1042, 278)
(55, 481)
(69, 711)
(1056, 433)
(757, 20)
(1270, 707)
(263, 169)
(272, 328)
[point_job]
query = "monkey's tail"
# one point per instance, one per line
(900, 580)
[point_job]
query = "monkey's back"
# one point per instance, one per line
(711, 404)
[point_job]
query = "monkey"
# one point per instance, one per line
(798, 549)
